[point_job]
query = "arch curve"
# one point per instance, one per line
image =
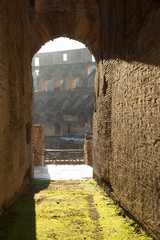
(70, 18)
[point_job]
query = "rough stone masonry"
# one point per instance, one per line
(124, 37)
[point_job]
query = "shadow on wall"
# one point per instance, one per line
(19, 221)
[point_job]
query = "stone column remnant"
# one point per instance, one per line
(39, 145)
(88, 149)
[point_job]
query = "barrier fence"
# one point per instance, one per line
(64, 156)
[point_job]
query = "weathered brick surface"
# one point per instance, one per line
(39, 145)
(135, 140)
(126, 139)
(15, 101)
(127, 110)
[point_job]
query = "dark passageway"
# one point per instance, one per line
(124, 37)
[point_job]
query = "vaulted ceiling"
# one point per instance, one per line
(78, 20)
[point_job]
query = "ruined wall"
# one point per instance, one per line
(64, 113)
(78, 20)
(127, 109)
(54, 58)
(64, 76)
(39, 145)
(15, 101)
(20, 23)
(88, 148)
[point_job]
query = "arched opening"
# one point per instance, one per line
(63, 76)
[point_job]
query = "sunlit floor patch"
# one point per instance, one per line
(70, 210)
(63, 172)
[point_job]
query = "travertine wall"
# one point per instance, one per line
(124, 37)
(15, 101)
(55, 58)
(64, 113)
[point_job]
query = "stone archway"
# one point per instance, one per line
(78, 20)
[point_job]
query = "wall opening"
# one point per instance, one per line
(36, 61)
(64, 57)
(63, 79)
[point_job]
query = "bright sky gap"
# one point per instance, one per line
(61, 44)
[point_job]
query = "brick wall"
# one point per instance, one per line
(15, 101)
(127, 109)
(126, 139)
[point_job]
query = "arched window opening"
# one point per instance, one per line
(63, 75)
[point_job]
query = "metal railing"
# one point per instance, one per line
(64, 156)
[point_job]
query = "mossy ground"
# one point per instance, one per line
(67, 210)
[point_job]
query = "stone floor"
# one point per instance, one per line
(63, 172)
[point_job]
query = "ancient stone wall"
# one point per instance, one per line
(39, 145)
(61, 57)
(15, 101)
(127, 109)
(64, 76)
(88, 148)
(65, 112)
(78, 20)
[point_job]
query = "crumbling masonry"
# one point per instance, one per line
(124, 37)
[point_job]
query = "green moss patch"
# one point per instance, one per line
(67, 210)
